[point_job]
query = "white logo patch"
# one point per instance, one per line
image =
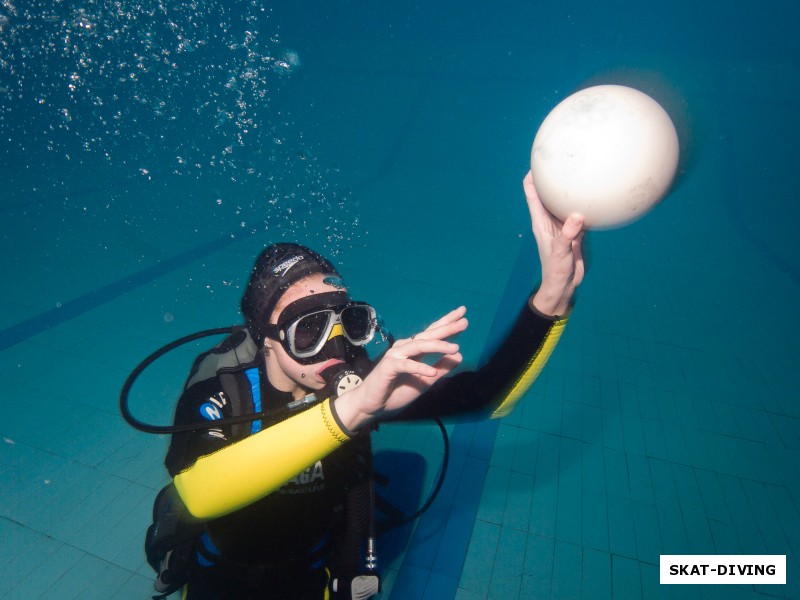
(284, 267)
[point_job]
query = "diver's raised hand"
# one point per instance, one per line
(401, 376)
(560, 254)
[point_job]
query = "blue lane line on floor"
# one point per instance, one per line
(11, 336)
(441, 539)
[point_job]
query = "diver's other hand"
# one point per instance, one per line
(400, 377)
(560, 254)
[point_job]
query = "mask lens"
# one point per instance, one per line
(358, 323)
(309, 331)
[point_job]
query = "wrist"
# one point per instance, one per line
(551, 302)
(351, 418)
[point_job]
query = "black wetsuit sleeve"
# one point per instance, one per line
(494, 389)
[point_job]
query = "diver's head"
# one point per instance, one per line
(298, 310)
(276, 269)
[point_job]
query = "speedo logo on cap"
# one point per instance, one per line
(284, 267)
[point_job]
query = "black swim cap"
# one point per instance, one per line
(276, 269)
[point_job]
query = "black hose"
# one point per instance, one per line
(124, 407)
(393, 524)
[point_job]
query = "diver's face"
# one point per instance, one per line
(286, 373)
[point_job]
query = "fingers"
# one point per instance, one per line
(417, 347)
(447, 326)
(428, 374)
(403, 359)
(447, 363)
(568, 238)
(573, 227)
(450, 317)
(540, 216)
(580, 266)
(530, 189)
(409, 366)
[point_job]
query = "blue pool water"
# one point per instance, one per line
(150, 149)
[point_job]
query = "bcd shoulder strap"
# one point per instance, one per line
(243, 390)
(234, 352)
(233, 361)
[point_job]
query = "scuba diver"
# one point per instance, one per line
(277, 506)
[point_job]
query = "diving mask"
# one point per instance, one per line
(306, 325)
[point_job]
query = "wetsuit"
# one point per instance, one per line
(273, 494)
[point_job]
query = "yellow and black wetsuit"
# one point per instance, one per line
(272, 495)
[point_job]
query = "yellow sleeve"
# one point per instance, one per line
(531, 370)
(246, 471)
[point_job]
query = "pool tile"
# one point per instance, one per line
(90, 578)
(480, 559)
(537, 573)
(663, 483)
(517, 510)
(648, 532)
(411, 582)
(621, 528)
(136, 586)
(787, 514)
(567, 563)
(23, 552)
(613, 436)
(109, 499)
(654, 443)
(627, 578)
(616, 470)
(590, 422)
(526, 449)
(674, 535)
(60, 559)
(713, 498)
(463, 594)
(569, 514)
(508, 565)
(593, 471)
(632, 434)
(787, 429)
(639, 478)
(700, 540)
(495, 495)
(675, 444)
(596, 583)
(505, 448)
(545, 491)
(594, 524)
(572, 425)
(440, 586)
(458, 529)
(726, 540)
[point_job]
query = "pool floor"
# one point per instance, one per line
(667, 421)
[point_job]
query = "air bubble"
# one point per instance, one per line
(187, 92)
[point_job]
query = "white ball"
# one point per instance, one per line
(608, 152)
